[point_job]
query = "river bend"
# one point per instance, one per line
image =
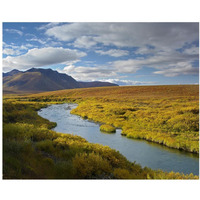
(145, 153)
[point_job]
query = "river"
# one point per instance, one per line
(144, 153)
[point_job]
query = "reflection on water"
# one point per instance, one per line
(143, 152)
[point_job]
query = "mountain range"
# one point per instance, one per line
(37, 80)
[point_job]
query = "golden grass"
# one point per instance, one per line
(126, 92)
(168, 115)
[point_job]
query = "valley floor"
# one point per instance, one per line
(168, 115)
(164, 114)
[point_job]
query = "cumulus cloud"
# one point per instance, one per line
(85, 42)
(42, 57)
(180, 68)
(13, 50)
(127, 66)
(164, 62)
(88, 73)
(172, 35)
(156, 43)
(113, 52)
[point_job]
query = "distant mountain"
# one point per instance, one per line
(11, 73)
(96, 84)
(40, 80)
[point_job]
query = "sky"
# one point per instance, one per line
(121, 53)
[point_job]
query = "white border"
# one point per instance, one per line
(99, 11)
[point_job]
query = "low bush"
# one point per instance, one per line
(107, 128)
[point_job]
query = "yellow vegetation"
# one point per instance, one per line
(168, 115)
(107, 128)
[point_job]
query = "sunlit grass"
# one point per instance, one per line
(173, 123)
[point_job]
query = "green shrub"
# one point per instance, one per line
(107, 128)
(121, 174)
(91, 166)
(45, 145)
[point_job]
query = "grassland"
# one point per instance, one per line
(168, 115)
(32, 151)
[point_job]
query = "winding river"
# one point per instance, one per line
(145, 153)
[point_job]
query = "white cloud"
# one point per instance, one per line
(9, 51)
(88, 73)
(42, 57)
(128, 82)
(14, 31)
(49, 25)
(146, 50)
(44, 42)
(180, 68)
(85, 42)
(68, 69)
(157, 44)
(172, 35)
(18, 48)
(36, 40)
(192, 51)
(165, 63)
(10, 46)
(127, 66)
(113, 52)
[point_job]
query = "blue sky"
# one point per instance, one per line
(122, 53)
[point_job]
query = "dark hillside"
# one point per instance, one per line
(96, 84)
(40, 80)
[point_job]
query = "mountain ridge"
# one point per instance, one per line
(36, 80)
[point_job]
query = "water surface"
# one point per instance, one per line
(145, 153)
